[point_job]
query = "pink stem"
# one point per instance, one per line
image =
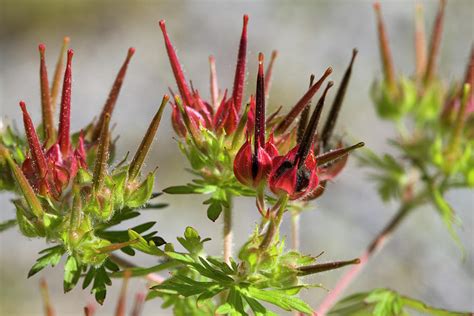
(377, 244)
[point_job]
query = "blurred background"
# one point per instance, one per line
(420, 261)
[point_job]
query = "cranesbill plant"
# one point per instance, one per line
(68, 191)
(433, 153)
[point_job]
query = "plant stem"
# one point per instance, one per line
(153, 277)
(295, 230)
(377, 243)
(275, 221)
(228, 232)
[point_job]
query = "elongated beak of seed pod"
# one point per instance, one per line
(176, 67)
(57, 74)
(435, 43)
(46, 108)
(65, 113)
(301, 104)
(113, 95)
(337, 103)
(239, 78)
(145, 145)
(385, 51)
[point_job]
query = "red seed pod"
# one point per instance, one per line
(295, 173)
(253, 168)
(36, 167)
(291, 178)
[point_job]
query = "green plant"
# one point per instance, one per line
(69, 192)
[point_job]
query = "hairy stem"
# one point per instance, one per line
(276, 217)
(377, 243)
(228, 233)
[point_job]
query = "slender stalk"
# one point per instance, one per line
(121, 304)
(276, 217)
(153, 277)
(295, 230)
(48, 307)
(295, 235)
(377, 243)
(228, 236)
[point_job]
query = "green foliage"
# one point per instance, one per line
(51, 257)
(88, 249)
(385, 302)
(388, 173)
(246, 285)
(72, 273)
(433, 152)
(220, 194)
(100, 280)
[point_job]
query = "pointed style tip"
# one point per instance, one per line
(70, 53)
(355, 51)
(419, 8)
(41, 48)
(328, 71)
(377, 6)
(246, 19)
(162, 24)
(23, 106)
(435, 43)
(43, 283)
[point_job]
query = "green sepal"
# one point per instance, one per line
(29, 225)
(119, 180)
(140, 195)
